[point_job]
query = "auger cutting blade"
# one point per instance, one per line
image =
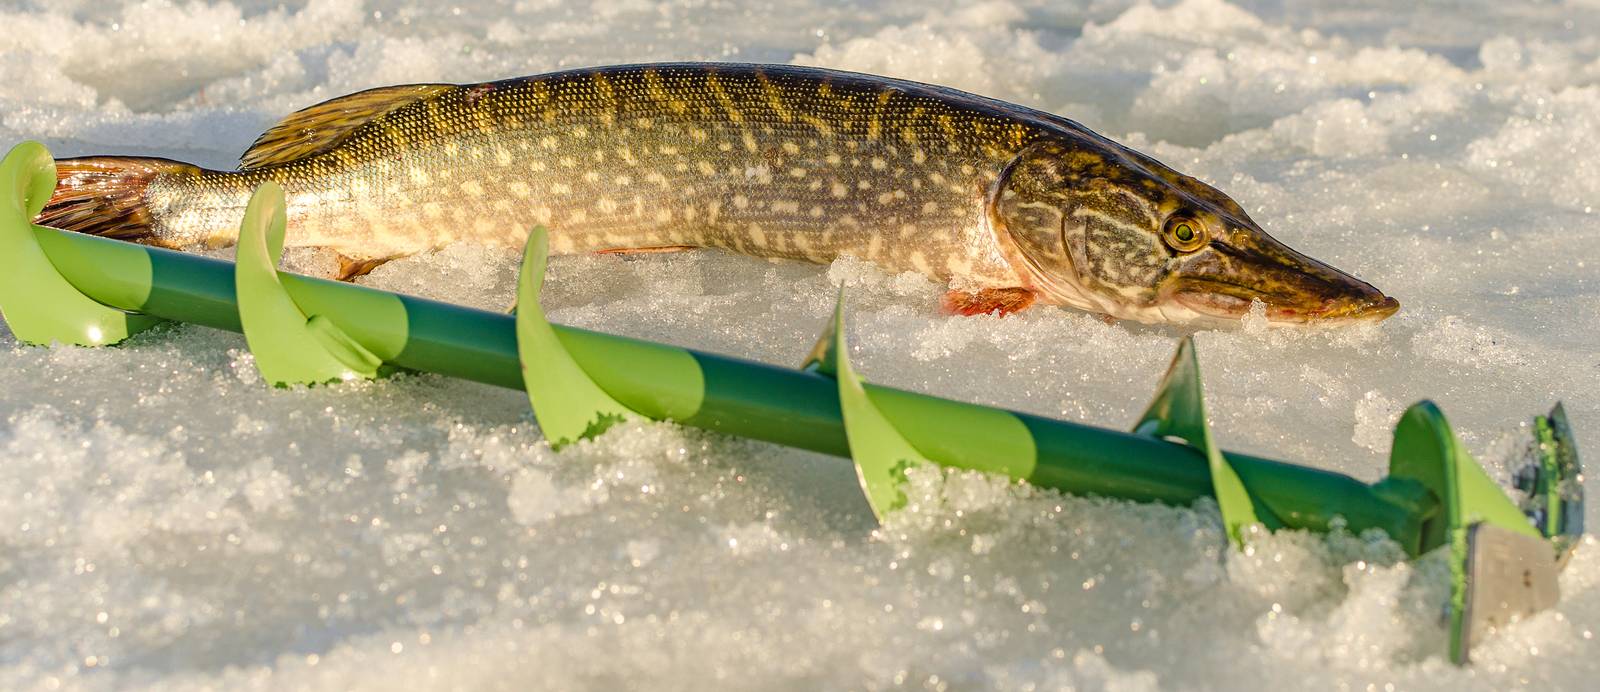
(1508, 575)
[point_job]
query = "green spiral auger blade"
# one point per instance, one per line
(62, 287)
(1179, 410)
(568, 404)
(889, 431)
(290, 347)
(39, 304)
(880, 452)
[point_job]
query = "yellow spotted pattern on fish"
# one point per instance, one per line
(1005, 203)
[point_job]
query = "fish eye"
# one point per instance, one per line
(1185, 233)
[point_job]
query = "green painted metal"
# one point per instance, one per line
(657, 381)
(375, 320)
(881, 454)
(1546, 490)
(961, 435)
(122, 276)
(1179, 410)
(1555, 493)
(590, 381)
(1570, 487)
(39, 304)
(289, 346)
(1460, 556)
(890, 430)
(1426, 450)
(567, 403)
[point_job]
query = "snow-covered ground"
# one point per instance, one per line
(168, 521)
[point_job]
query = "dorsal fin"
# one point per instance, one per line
(322, 127)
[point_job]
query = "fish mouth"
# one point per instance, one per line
(1227, 302)
(1294, 288)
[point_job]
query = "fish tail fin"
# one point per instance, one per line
(106, 195)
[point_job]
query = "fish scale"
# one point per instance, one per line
(1006, 204)
(638, 157)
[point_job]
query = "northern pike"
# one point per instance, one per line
(1004, 204)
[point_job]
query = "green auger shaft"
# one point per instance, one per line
(754, 400)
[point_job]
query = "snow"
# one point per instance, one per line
(167, 521)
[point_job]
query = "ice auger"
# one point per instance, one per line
(69, 288)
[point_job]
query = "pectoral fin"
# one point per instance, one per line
(350, 267)
(1004, 301)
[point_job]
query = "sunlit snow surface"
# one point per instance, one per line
(168, 521)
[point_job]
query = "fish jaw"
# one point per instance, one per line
(1226, 281)
(1210, 308)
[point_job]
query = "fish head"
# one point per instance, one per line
(1103, 228)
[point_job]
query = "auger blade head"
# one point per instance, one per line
(1568, 487)
(1507, 575)
(1553, 481)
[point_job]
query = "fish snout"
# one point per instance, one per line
(1294, 288)
(1361, 301)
